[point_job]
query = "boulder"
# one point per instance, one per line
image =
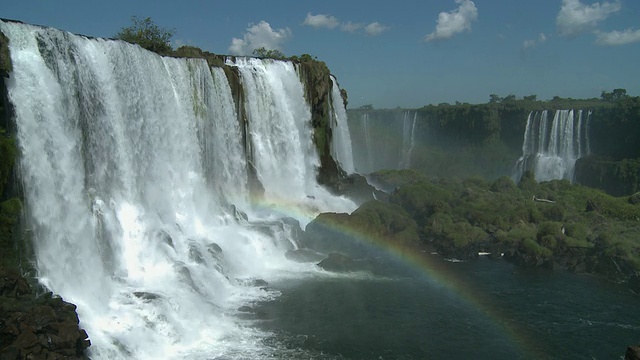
(44, 327)
(633, 353)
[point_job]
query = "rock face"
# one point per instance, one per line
(44, 327)
(633, 353)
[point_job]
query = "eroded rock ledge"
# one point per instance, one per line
(37, 327)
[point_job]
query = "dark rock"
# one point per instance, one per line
(357, 188)
(44, 327)
(163, 237)
(337, 262)
(194, 253)
(633, 353)
(146, 296)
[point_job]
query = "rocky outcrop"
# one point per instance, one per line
(633, 353)
(37, 327)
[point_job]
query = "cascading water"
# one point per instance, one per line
(341, 139)
(281, 137)
(368, 142)
(408, 138)
(551, 150)
(130, 162)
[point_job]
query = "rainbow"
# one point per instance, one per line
(436, 270)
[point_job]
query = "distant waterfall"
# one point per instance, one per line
(368, 143)
(130, 163)
(341, 140)
(551, 148)
(408, 138)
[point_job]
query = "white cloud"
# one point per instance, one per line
(320, 21)
(375, 28)
(257, 36)
(542, 38)
(351, 27)
(576, 18)
(455, 21)
(528, 44)
(618, 37)
(331, 22)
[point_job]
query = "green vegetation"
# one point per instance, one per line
(147, 34)
(269, 53)
(553, 224)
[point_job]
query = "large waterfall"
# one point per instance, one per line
(383, 139)
(408, 138)
(551, 147)
(134, 169)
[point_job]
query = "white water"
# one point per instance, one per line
(341, 140)
(368, 143)
(129, 164)
(551, 152)
(408, 138)
(281, 138)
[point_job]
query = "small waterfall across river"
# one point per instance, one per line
(134, 166)
(551, 147)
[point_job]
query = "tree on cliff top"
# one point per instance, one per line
(262, 52)
(147, 34)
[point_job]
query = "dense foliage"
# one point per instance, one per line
(552, 224)
(147, 34)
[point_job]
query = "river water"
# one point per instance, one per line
(499, 312)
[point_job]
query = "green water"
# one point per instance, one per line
(508, 313)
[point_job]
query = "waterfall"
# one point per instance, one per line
(279, 130)
(130, 162)
(552, 152)
(341, 139)
(408, 138)
(368, 143)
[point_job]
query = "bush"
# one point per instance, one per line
(147, 34)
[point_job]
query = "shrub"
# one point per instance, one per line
(147, 34)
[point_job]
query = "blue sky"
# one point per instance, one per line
(406, 53)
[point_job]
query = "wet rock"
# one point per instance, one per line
(633, 353)
(146, 296)
(215, 250)
(44, 327)
(163, 237)
(194, 254)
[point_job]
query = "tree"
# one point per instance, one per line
(615, 95)
(268, 53)
(509, 97)
(530, 98)
(147, 34)
(493, 98)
